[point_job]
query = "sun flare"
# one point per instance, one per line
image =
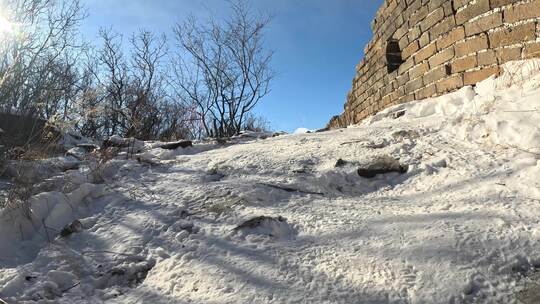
(6, 27)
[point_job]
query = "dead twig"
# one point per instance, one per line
(70, 288)
(289, 189)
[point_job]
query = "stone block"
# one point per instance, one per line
(443, 27)
(409, 50)
(475, 77)
(442, 57)
(486, 58)
(450, 84)
(435, 74)
(463, 64)
(472, 45)
(472, 10)
(426, 92)
(508, 54)
(432, 19)
(454, 36)
(513, 35)
(522, 12)
(414, 85)
(418, 70)
(425, 53)
(483, 24)
(532, 50)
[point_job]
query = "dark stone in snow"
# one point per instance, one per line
(399, 114)
(88, 147)
(178, 144)
(340, 163)
(74, 227)
(259, 221)
(382, 165)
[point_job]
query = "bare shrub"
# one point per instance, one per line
(223, 68)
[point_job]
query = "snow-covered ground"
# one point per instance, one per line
(461, 225)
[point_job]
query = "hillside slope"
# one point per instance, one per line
(459, 222)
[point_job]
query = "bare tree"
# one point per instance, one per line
(131, 94)
(223, 68)
(148, 85)
(38, 61)
(134, 88)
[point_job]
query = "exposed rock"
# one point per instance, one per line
(381, 165)
(275, 227)
(279, 133)
(398, 114)
(178, 144)
(88, 147)
(77, 152)
(130, 145)
(37, 171)
(340, 163)
(129, 273)
(75, 227)
(402, 134)
(184, 225)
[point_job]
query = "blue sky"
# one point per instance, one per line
(317, 45)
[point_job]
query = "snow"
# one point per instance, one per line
(302, 131)
(287, 219)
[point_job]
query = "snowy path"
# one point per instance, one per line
(418, 240)
(461, 226)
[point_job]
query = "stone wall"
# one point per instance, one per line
(426, 48)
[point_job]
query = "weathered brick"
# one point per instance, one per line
(435, 74)
(463, 64)
(406, 98)
(513, 35)
(414, 85)
(471, 46)
(471, 11)
(424, 39)
(475, 77)
(532, 50)
(425, 92)
(487, 58)
(522, 12)
(442, 28)
(425, 53)
(483, 24)
(404, 67)
(402, 79)
(386, 100)
(448, 8)
(455, 35)
(433, 18)
(404, 42)
(446, 44)
(418, 70)
(499, 3)
(414, 33)
(508, 54)
(434, 4)
(460, 3)
(450, 84)
(441, 57)
(402, 31)
(419, 15)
